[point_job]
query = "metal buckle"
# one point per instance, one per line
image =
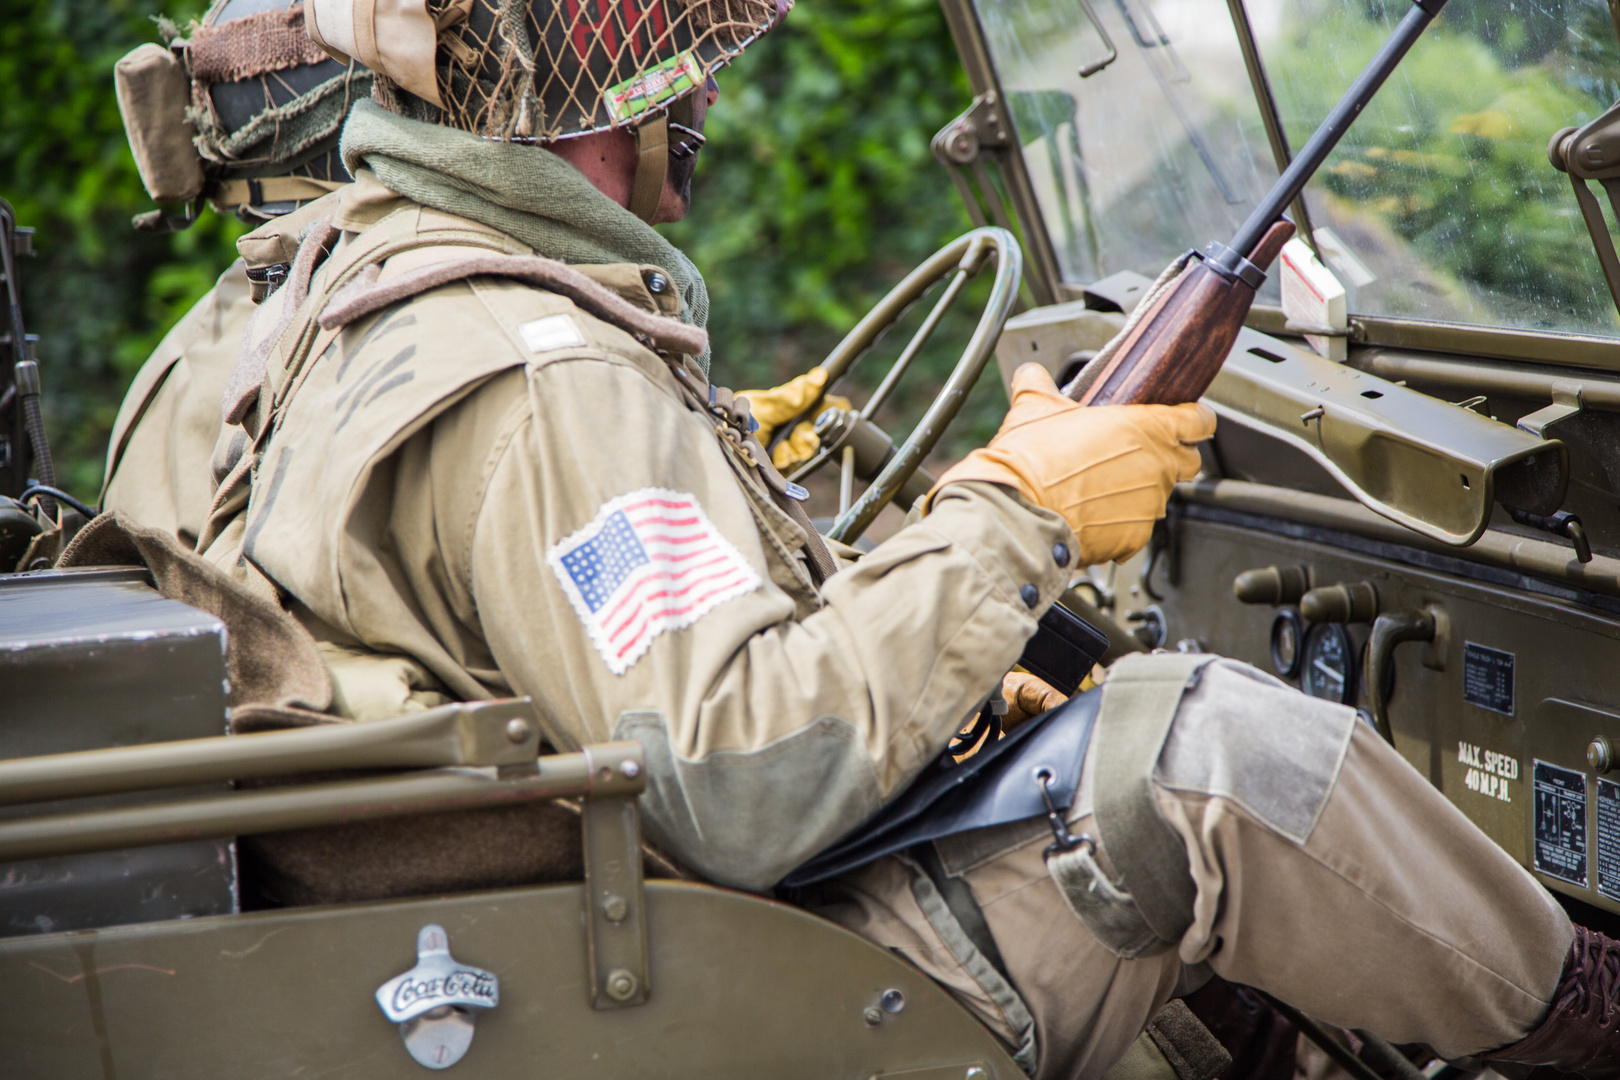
(434, 1003)
(1063, 840)
(266, 280)
(690, 141)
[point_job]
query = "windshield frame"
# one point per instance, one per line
(1541, 347)
(1039, 255)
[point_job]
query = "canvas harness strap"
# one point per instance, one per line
(304, 337)
(1140, 699)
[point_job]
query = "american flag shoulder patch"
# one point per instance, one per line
(648, 562)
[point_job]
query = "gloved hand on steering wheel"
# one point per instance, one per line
(1107, 469)
(776, 406)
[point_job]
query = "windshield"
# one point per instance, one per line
(1158, 148)
(1440, 200)
(1439, 205)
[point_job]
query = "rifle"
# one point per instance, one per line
(23, 448)
(1174, 350)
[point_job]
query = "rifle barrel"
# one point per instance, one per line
(1314, 152)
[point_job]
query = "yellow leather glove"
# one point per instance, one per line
(1108, 469)
(778, 405)
(1027, 696)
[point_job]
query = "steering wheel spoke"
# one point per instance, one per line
(862, 449)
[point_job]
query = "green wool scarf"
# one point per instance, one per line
(527, 192)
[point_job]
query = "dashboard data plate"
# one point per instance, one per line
(1561, 822)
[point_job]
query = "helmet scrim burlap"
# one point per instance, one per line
(266, 100)
(539, 70)
(243, 109)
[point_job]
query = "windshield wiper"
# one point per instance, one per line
(1156, 38)
(1195, 135)
(1110, 54)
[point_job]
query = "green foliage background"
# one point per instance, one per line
(99, 295)
(816, 193)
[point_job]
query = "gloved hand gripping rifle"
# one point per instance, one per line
(1173, 351)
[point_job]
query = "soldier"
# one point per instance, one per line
(245, 116)
(481, 448)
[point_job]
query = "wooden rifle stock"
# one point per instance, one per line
(1176, 349)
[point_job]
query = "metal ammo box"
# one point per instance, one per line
(92, 659)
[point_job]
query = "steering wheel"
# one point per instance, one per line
(850, 436)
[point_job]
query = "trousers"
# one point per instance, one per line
(1326, 871)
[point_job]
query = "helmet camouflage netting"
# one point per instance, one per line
(541, 70)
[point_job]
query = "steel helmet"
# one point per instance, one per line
(538, 71)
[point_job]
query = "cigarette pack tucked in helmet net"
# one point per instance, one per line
(540, 70)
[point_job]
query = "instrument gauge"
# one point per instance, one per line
(1329, 664)
(1287, 641)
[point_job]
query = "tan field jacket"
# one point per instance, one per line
(157, 457)
(514, 496)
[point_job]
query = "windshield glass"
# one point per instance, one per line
(1158, 148)
(1439, 205)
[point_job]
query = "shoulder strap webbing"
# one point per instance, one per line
(296, 331)
(366, 294)
(247, 378)
(393, 235)
(1139, 701)
(734, 419)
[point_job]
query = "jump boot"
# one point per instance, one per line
(1581, 1031)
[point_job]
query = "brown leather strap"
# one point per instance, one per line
(365, 34)
(652, 165)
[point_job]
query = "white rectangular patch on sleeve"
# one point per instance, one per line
(551, 332)
(648, 562)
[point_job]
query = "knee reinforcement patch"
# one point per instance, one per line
(1191, 723)
(1241, 735)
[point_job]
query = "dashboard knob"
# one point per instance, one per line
(1355, 602)
(1271, 585)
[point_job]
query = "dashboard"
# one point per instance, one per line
(1511, 706)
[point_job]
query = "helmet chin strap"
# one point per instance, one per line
(652, 166)
(653, 150)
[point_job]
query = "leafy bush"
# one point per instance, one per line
(99, 295)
